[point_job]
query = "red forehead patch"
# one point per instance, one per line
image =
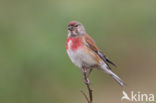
(71, 23)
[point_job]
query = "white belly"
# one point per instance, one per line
(80, 57)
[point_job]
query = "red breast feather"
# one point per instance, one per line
(75, 43)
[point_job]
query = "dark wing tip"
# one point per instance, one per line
(110, 62)
(104, 58)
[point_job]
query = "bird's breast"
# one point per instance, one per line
(78, 53)
(74, 43)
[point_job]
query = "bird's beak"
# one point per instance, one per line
(70, 28)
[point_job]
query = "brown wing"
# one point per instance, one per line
(92, 45)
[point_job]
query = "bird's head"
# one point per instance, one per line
(75, 28)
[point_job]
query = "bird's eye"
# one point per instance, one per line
(76, 25)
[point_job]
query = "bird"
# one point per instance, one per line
(84, 53)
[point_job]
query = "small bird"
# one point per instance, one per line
(84, 53)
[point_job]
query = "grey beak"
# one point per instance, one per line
(70, 28)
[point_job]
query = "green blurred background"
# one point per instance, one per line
(35, 68)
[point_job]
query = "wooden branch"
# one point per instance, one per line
(86, 81)
(85, 96)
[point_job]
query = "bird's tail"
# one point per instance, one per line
(106, 68)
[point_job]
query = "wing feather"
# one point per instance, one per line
(92, 45)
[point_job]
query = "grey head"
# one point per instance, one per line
(75, 28)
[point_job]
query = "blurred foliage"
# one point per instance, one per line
(34, 66)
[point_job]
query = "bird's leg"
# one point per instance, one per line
(86, 80)
(90, 70)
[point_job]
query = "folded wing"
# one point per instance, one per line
(92, 45)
